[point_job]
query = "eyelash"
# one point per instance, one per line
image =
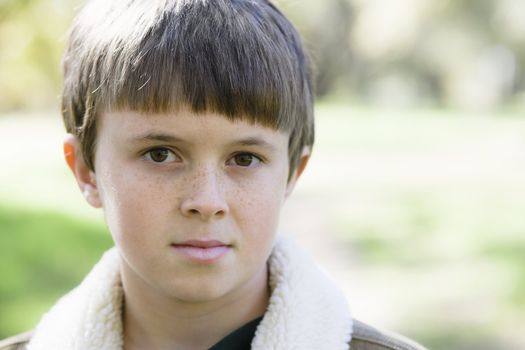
(147, 154)
(254, 158)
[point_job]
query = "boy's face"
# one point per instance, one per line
(172, 184)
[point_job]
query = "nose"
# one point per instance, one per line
(204, 198)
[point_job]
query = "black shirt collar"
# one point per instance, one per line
(239, 339)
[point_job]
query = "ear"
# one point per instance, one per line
(305, 157)
(85, 177)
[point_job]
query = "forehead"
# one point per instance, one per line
(187, 126)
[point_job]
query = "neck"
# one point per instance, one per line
(155, 321)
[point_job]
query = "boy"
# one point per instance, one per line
(189, 123)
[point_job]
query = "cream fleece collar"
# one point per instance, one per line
(306, 311)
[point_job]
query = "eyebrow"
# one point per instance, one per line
(254, 141)
(158, 137)
(248, 141)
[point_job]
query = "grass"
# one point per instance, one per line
(42, 255)
(510, 254)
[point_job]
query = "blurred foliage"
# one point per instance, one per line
(32, 35)
(467, 54)
(42, 255)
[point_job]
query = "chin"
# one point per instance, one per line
(199, 293)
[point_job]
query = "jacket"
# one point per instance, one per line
(305, 311)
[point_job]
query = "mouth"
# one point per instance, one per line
(202, 251)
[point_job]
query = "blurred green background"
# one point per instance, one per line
(414, 196)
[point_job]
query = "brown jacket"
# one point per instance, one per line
(364, 337)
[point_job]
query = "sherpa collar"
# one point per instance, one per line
(306, 311)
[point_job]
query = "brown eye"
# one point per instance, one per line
(160, 155)
(245, 159)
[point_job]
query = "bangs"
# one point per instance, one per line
(206, 58)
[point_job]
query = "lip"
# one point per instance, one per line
(202, 251)
(202, 243)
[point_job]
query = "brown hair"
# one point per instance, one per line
(239, 58)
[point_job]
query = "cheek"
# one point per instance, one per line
(132, 205)
(258, 220)
(258, 205)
